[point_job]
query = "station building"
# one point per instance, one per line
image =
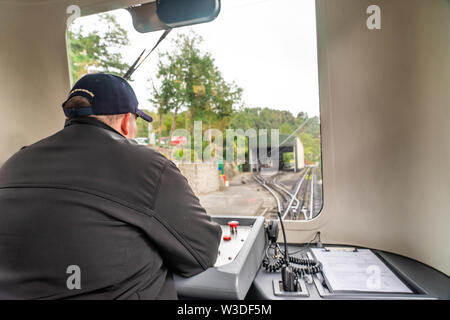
(273, 155)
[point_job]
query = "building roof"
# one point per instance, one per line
(285, 140)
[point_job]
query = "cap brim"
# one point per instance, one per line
(144, 116)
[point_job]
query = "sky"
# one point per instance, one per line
(268, 47)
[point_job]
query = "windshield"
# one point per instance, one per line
(235, 102)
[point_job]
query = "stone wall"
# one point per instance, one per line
(230, 170)
(202, 177)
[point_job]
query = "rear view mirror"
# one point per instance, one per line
(165, 14)
(176, 13)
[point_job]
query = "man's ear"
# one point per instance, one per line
(124, 123)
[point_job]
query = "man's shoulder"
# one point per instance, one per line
(148, 158)
(145, 152)
(24, 150)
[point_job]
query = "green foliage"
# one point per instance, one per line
(288, 156)
(266, 119)
(188, 87)
(284, 121)
(142, 127)
(311, 146)
(98, 50)
(188, 79)
(286, 128)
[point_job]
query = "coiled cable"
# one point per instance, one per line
(308, 266)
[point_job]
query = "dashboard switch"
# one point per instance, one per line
(233, 226)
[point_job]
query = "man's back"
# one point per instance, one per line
(87, 197)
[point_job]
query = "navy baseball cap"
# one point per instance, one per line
(108, 94)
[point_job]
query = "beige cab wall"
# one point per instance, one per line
(384, 113)
(34, 77)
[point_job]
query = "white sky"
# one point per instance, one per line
(268, 47)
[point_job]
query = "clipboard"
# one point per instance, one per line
(357, 270)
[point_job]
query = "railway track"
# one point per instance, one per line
(300, 201)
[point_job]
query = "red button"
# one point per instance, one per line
(227, 238)
(233, 224)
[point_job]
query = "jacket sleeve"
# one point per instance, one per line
(187, 239)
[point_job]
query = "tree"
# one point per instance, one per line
(160, 99)
(98, 50)
(142, 125)
(188, 78)
(286, 128)
(172, 94)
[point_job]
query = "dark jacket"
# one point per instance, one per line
(88, 197)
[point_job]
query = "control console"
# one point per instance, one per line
(240, 254)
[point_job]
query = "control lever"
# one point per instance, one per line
(289, 278)
(290, 284)
(272, 231)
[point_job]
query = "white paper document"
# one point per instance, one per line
(360, 270)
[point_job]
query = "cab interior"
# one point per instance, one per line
(384, 112)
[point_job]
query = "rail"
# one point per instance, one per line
(295, 194)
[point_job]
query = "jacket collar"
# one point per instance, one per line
(90, 121)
